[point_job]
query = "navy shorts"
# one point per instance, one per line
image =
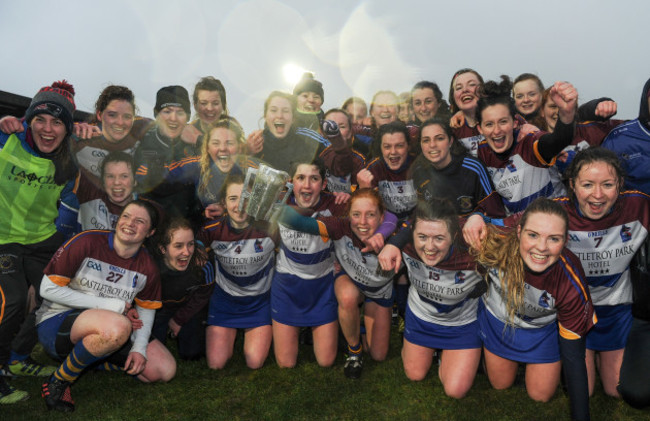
(534, 346)
(383, 302)
(437, 336)
(54, 335)
(612, 329)
(303, 302)
(239, 312)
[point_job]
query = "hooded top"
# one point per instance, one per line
(631, 142)
(644, 112)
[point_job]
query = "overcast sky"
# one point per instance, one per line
(353, 47)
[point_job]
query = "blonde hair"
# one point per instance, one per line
(205, 162)
(500, 250)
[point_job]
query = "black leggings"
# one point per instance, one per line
(634, 383)
(21, 266)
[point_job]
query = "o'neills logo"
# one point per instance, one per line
(22, 176)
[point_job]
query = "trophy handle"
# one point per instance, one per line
(248, 186)
(273, 212)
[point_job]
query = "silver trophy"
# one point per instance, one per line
(262, 190)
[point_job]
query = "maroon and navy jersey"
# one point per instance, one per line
(439, 294)
(523, 175)
(593, 132)
(395, 187)
(306, 255)
(96, 211)
(342, 178)
(559, 293)
(590, 134)
(469, 137)
(245, 259)
(363, 268)
(606, 246)
(89, 264)
(89, 153)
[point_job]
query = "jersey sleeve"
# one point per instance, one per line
(150, 296)
(402, 236)
(572, 353)
(374, 167)
(488, 200)
(67, 220)
(338, 156)
(84, 188)
(298, 222)
(549, 145)
(575, 310)
(587, 111)
(185, 170)
(66, 261)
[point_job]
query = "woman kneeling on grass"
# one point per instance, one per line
(537, 289)
(88, 289)
(245, 261)
(361, 281)
(186, 288)
(302, 294)
(442, 300)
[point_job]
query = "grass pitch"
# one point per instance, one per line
(307, 392)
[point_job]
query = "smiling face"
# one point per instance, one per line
(432, 241)
(344, 124)
(404, 112)
(541, 240)
(48, 132)
(425, 104)
(528, 97)
(307, 185)
(237, 219)
(279, 116)
(171, 121)
(117, 120)
(133, 226)
(178, 253)
(550, 112)
(223, 148)
(596, 189)
(208, 107)
(357, 111)
(497, 125)
(466, 89)
(436, 145)
(119, 182)
(384, 109)
(365, 217)
(394, 149)
(309, 102)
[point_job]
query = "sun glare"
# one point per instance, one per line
(293, 73)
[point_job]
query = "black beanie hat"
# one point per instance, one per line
(172, 96)
(56, 100)
(309, 84)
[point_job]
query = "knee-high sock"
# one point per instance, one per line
(75, 363)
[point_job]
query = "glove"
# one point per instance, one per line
(330, 128)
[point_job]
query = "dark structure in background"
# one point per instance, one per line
(16, 105)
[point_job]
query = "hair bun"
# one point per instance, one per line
(493, 89)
